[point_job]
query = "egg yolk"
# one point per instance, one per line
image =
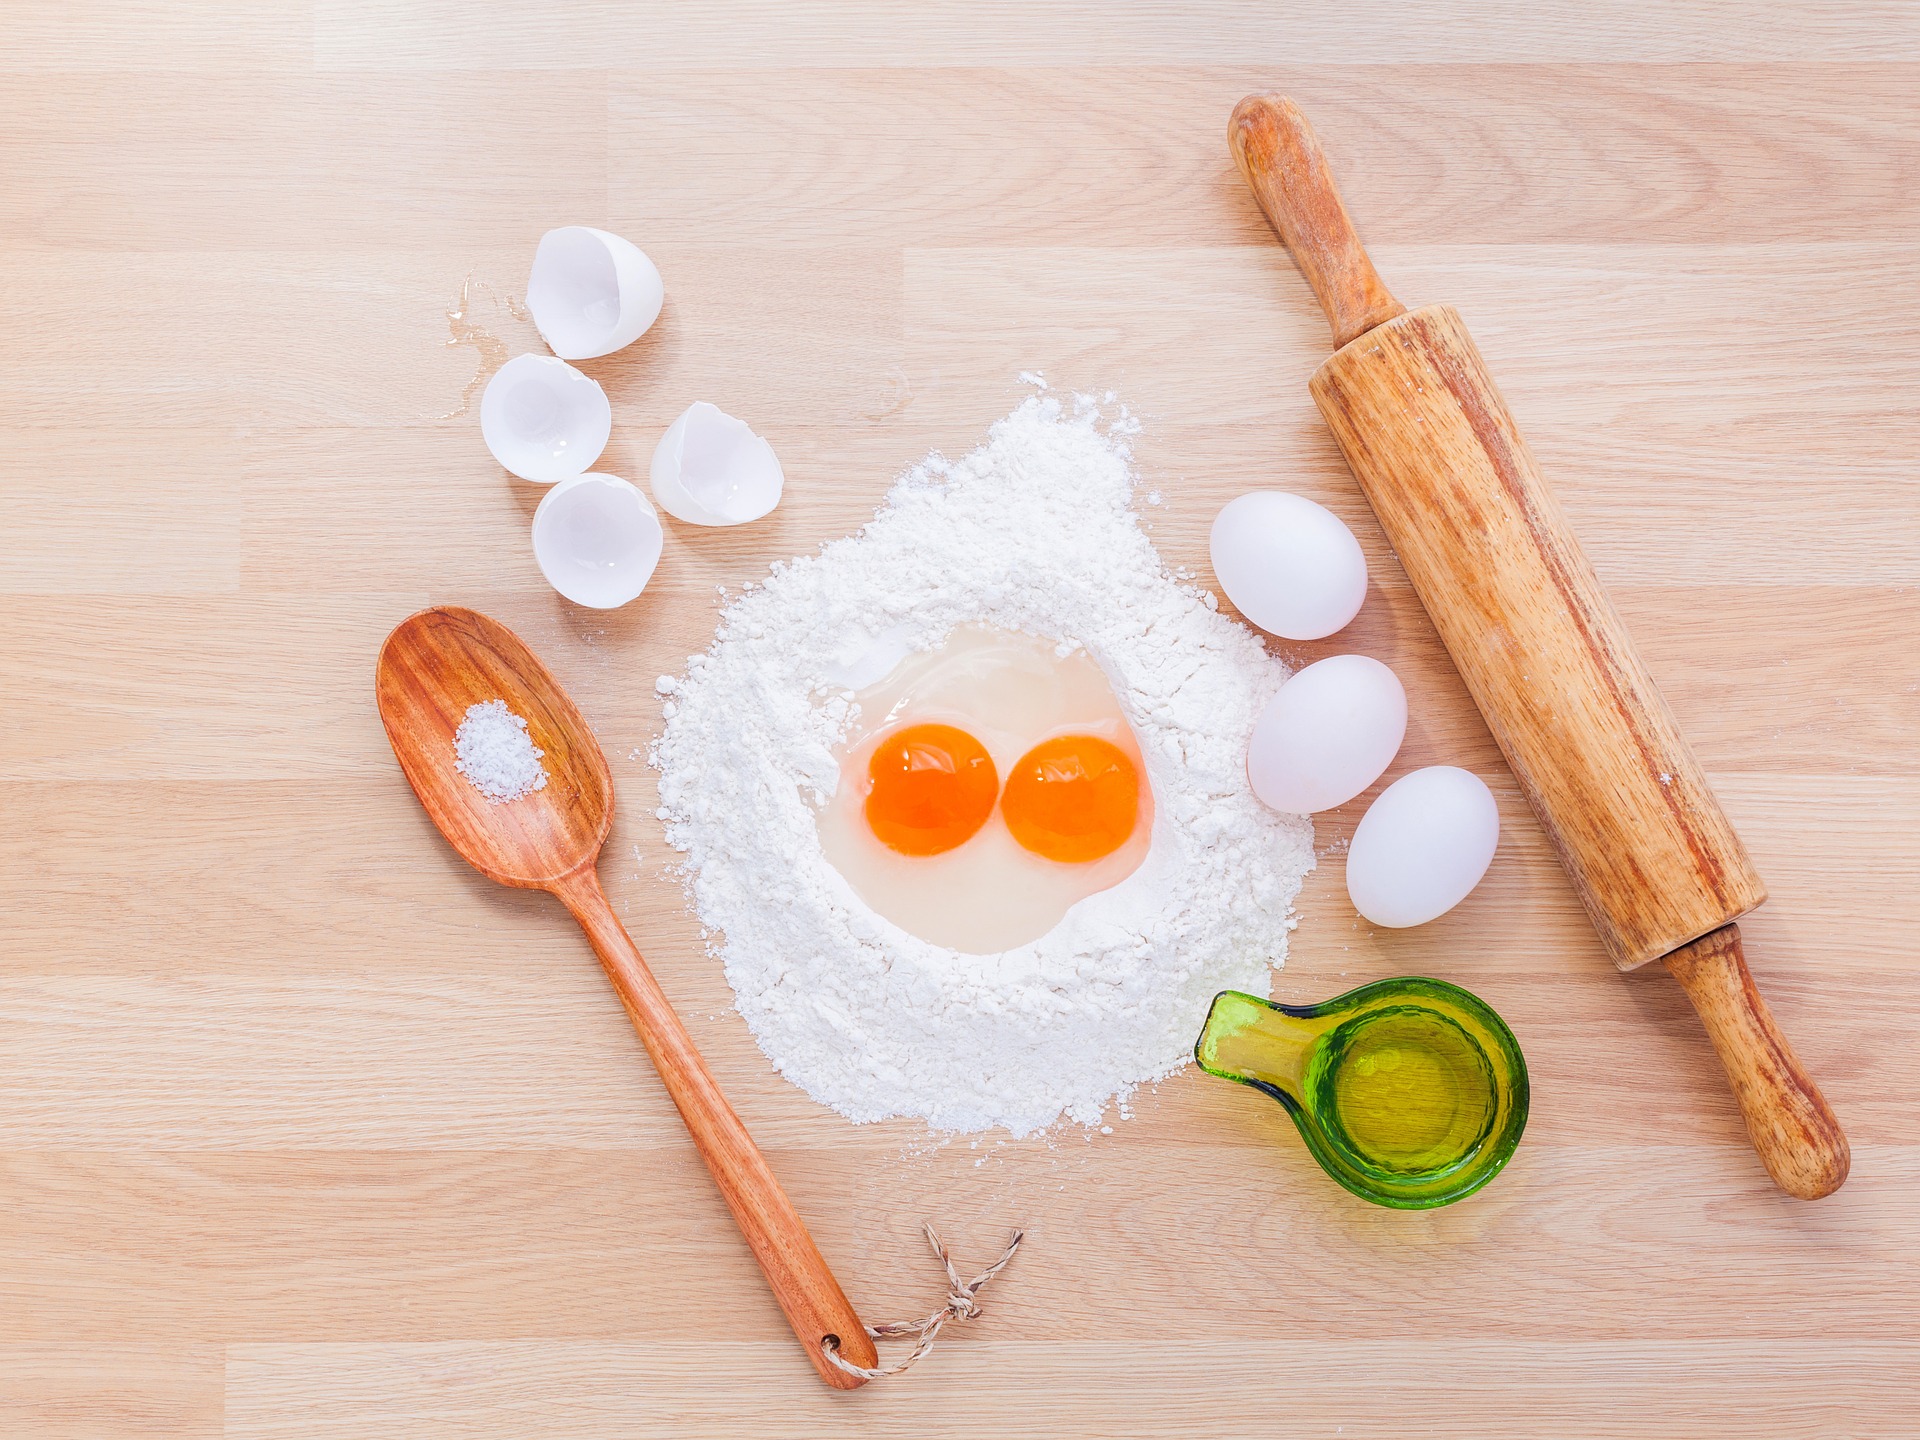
(1072, 798)
(932, 787)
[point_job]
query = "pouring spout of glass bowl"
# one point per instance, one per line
(1410, 1093)
(1258, 1043)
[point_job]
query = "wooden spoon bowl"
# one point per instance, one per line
(432, 667)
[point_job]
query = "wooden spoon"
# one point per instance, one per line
(431, 669)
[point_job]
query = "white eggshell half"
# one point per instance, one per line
(1290, 566)
(1422, 846)
(597, 539)
(544, 420)
(591, 293)
(1327, 734)
(710, 469)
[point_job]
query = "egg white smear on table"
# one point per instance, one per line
(1024, 561)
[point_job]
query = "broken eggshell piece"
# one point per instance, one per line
(597, 539)
(710, 469)
(544, 420)
(591, 293)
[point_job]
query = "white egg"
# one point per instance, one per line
(1290, 566)
(544, 420)
(597, 540)
(1422, 846)
(1329, 733)
(710, 469)
(591, 293)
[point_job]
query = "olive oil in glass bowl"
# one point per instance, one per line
(1411, 1093)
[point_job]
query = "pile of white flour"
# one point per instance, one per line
(1031, 532)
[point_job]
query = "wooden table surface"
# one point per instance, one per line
(308, 1131)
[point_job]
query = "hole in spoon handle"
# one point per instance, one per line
(814, 1304)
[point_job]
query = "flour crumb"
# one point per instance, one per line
(492, 749)
(1033, 532)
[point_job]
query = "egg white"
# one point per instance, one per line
(1009, 691)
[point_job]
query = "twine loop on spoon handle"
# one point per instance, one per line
(961, 1305)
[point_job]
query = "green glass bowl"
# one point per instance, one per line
(1411, 1093)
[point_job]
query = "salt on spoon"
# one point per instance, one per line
(591, 292)
(494, 751)
(711, 469)
(543, 420)
(597, 540)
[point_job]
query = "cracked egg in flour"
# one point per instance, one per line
(986, 787)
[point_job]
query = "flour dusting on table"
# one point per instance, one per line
(1031, 532)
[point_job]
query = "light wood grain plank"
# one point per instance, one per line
(1738, 505)
(240, 161)
(235, 340)
(1464, 154)
(1458, 154)
(107, 514)
(497, 1029)
(108, 1391)
(241, 677)
(1689, 496)
(753, 34)
(429, 509)
(1672, 326)
(596, 1392)
(1820, 673)
(1709, 153)
(232, 338)
(118, 35)
(402, 1061)
(632, 1244)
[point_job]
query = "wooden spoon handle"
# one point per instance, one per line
(815, 1305)
(1282, 162)
(1798, 1138)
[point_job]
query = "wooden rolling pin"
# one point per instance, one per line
(1489, 552)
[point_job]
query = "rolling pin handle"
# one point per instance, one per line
(1799, 1140)
(1287, 172)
